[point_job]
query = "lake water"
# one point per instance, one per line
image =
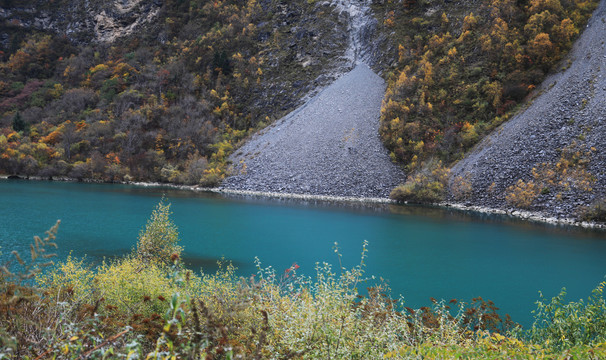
(421, 252)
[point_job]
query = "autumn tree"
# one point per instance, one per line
(159, 240)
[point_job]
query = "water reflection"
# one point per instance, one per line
(421, 211)
(192, 261)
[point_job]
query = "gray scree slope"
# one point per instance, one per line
(329, 146)
(572, 106)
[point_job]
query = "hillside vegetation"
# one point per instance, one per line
(148, 306)
(165, 92)
(462, 70)
(165, 103)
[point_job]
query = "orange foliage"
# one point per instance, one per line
(52, 138)
(522, 194)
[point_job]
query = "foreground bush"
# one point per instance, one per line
(570, 324)
(149, 309)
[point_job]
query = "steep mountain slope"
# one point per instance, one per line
(329, 146)
(155, 90)
(152, 90)
(551, 157)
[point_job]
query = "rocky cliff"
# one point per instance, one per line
(80, 21)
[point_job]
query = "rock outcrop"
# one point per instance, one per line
(83, 21)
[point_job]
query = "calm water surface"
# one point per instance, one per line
(421, 252)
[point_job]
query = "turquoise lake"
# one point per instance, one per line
(421, 252)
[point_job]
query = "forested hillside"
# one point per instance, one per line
(153, 91)
(462, 70)
(165, 90)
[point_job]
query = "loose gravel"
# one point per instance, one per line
(330, 146)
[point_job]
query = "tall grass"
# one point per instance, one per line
(151, 307)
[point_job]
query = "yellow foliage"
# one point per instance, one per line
(125, 284)
(418, 146)
(427, 69)
(569, 171)
(426, 184)
(67, 71)
(100, 67)
(56, 91)
(452, 52)
(71, 275)
(389, 19)
(401, 53)
(464, 35)
(53, 137)
(436, 41)
(403, 80)
(13, 136)
(553, 6)
(566, 30)
(522, 194)
(542, 48)
(469, 22)
(461, 188)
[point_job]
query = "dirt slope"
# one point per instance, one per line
(329, 146)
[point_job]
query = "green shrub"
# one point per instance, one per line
(565, 325)
(129, 284)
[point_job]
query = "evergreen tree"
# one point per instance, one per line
(18, 123)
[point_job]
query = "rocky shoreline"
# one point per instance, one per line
(524, 215)
(517, 214)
